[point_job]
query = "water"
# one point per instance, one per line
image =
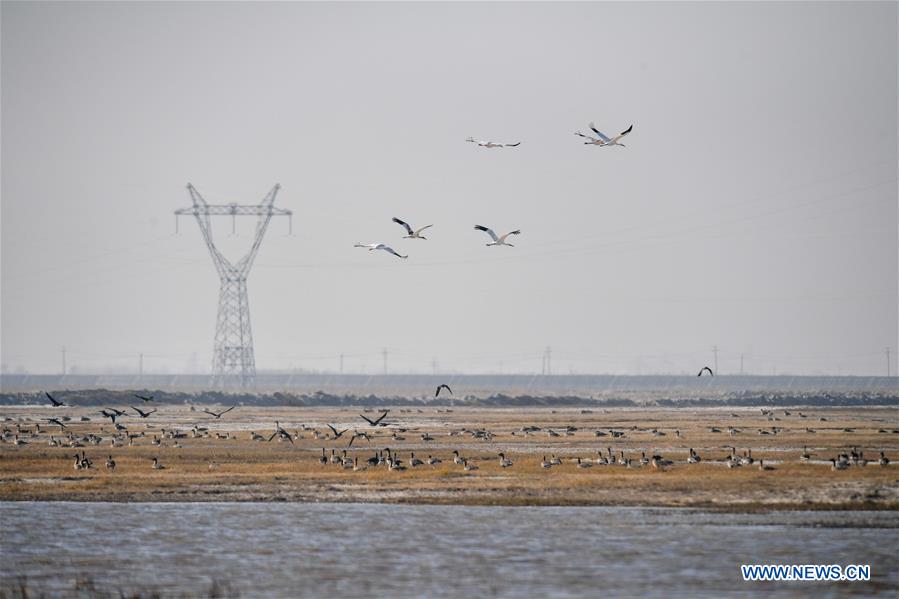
(327, 550)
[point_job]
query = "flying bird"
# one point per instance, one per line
(143, 397)
(337, 434)
(143, 414)
(57, 422)
(377, 421)
(56, 403)
(704, 368)
(497, 240)
(379, 246)
(439, 387)
(490, 144)
(220, 414)
(357, 434)
(411, 234)
(280, 431)
(602, 139)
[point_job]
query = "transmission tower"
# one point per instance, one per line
(232, 354)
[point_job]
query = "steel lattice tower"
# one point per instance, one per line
(233, 357)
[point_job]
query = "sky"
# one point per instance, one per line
(753, 209)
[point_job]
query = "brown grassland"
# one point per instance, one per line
(237, 468)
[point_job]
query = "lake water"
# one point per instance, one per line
(353, 550)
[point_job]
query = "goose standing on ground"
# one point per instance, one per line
(110, 463)
(379, 246)
(838, 465)
(411, 234)
(762, 466)
(157, 465)
(545, 464)
(414, 461)
(805, 457)
(706, 368)
(491, 144)
(883, 461)
(581, 464)
(442, 386)
(602, 139)
(323, 460)
(433, 461)
(497, 240)
(504, 462)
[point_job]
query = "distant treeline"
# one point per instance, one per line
(103, 397)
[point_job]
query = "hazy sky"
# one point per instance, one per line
(754, 208)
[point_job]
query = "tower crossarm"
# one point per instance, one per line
(233, 210)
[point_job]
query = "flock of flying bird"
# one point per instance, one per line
(600, 139)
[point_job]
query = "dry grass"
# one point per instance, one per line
(250, 470)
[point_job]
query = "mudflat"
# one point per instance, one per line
(749, 458)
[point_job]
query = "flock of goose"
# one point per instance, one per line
(600, 139)
(381, 427)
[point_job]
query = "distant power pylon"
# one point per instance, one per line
(233, 348)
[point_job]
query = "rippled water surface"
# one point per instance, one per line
(328, 550)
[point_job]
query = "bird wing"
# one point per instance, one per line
(353, 438)
(380, 418)
(210, 413)
(136, 410)
(50, 397)
(488, 231)
(228, 410)
(622, 134)
(422, 229)
(408, 228)
(274, 434)
(334, 430)
(365, 245)
(601, 135)
(367, 420)
(516, 232)
(513, 145)
(590, 137)
(391, 250)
